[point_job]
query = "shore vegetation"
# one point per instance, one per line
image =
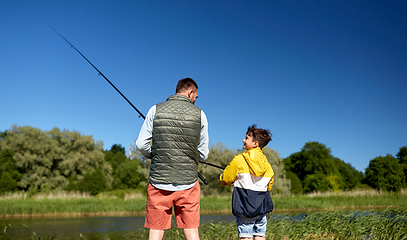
(356, 224)
(133, 203)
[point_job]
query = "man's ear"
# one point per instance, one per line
(189, 92)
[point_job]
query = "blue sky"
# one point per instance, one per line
(328, 71)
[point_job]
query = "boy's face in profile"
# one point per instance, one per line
(248, 142)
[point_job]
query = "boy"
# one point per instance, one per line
(252, 177)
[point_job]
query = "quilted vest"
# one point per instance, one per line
(176, 133)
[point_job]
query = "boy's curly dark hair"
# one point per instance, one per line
(263, 136)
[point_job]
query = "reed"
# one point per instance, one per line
(216, 204)
(374, 224)
(81, 206)
(383, 224)
(133, 203)
(332, 201)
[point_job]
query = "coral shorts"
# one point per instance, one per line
(160, 203)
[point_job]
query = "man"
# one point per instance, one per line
(179, 133)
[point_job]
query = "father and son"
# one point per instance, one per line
(178, 132)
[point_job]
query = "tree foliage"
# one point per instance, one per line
(130, 176)
(117, 148)
(318, 170)
(9, 174)
(50, 158)
(7, 183)
(282, 184)
(35, 160)
(220, 155)
(93, 182)
(385, 173)
(296, 185)
(126, 173)
(114, 157)
(402, 155)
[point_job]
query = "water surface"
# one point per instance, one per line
(73, 227)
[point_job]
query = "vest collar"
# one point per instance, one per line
(179, 97)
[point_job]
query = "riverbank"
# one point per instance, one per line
(76, 205)
(355, 224)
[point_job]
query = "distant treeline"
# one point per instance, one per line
(35, 161)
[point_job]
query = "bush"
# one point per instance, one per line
(129, 176)
(7, 183)
(72, 185)
(385, 173)
(317, 183)
(93, 182)
(296, 186)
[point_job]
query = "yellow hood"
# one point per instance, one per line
(256, 160)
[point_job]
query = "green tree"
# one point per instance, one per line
(317, 183)
(115, 156)
(402, 155)
(51, 158)
(7, 183)
(219, 155)
(2, 134)
(116, 148)
(126, 173)
(93, 182)
(130, 176)
(350, 177)
(9, 173)
(282, 184)
(73, 184)
(315, 163)
(296, 185)
(385, 173)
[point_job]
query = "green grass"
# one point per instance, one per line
(347, 215)
(109, 205)
(382, 224)
(386, 224)
(71, 206)
(340, 201)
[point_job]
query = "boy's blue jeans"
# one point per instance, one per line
(249, 227)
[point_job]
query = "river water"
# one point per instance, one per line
(73, 227)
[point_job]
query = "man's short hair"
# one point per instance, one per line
(263, 136)
(185, 84)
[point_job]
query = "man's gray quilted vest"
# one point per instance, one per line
(176, 133)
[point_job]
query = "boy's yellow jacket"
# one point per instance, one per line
(252, 177)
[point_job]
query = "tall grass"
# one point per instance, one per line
(133, 203)
(84, 206)
(387, 224)
(384, 224)
(216, 204)
(333, 200)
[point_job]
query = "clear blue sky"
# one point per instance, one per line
(328, 71)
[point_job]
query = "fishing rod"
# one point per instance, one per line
(210, 164)
(100, 73)
(140, 114)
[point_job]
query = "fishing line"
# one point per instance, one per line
(100, 73)
(140, 114)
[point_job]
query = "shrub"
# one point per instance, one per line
(93, 182)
